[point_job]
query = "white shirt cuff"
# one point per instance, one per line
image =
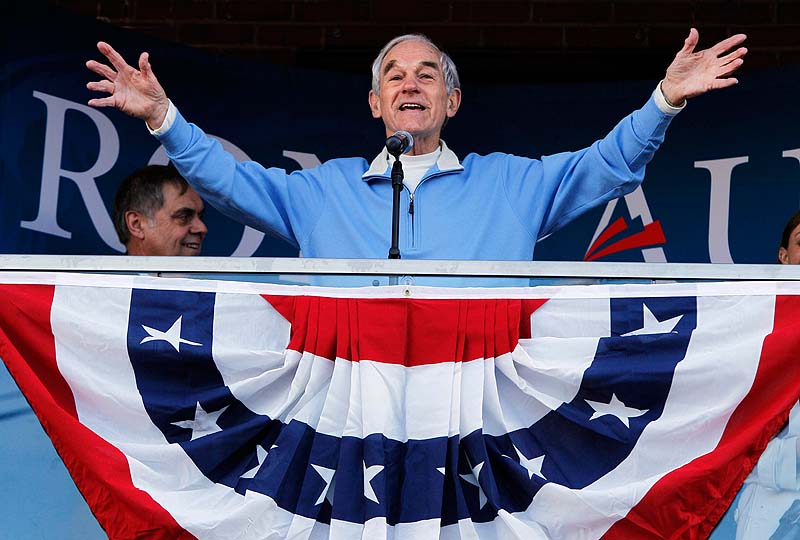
(172, 112)
(661, 101)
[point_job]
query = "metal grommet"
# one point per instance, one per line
(407, 292)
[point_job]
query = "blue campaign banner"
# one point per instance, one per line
(719, 190)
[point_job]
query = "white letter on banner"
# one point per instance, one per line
(637, 207)
(306, 161)
(792, 153)
(719, 207)
(52, 172)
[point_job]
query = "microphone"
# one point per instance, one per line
(400, 143)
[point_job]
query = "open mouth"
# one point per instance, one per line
(191, 245)
(411, 107)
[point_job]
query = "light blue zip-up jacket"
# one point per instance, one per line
(491, 207)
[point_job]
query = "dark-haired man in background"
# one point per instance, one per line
(156, 212)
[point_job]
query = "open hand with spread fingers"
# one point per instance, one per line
(694, 73)
(136, 92)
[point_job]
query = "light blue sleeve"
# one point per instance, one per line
(268, 199)
(548, 193)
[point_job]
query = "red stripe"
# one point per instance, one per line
(25, 318)
(688, 503)
(100, 471)
(409, 332)
(651, 235)
(612, 230)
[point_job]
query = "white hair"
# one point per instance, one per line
(451, 81)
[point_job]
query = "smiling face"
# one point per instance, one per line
(413, 96)
(176, 228)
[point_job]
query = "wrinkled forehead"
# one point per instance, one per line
(180, 195)
(412, 54)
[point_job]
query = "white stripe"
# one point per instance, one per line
(251, 336)
(546, 371)
(573, 318)
(420, 402)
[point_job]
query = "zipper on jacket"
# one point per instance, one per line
(411, 215)
(411, 204)
(411, 199)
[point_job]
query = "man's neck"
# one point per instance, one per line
(424, 145)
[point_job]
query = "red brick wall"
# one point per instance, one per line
(500, 40)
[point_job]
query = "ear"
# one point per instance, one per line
(374, 104)
(783, 255)
(135, 222)
(453, 102)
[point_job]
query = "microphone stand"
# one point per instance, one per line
(397, 188)
(397, 144)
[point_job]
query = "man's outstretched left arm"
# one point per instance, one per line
(572, 182)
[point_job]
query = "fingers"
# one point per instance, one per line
(101, 86)
(727, 44)
(144, 65)
(102, 102)
(738, 53)
(690, 42)
(113, 56)
(102, 70)
(730, 67)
